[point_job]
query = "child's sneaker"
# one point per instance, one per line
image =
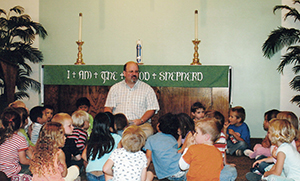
(247, 152)
(238, 152)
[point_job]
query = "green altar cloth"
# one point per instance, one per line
(154, 75)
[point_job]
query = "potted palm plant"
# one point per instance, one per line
(286, 37)
(17, 34)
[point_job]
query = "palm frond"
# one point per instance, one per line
(278, 39)
(296, 69)
(292, 12)
(17, 9)
(293, 56)
(296, 99)
(26, 67)
(26, 35)
(20, 95)
(23, 82)
(2, 11)
(19, 21)
(3, 23)
(32, 54)
(295, 83)
(39, 29)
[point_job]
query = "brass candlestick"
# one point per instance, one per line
(79, 55)
(196, 55)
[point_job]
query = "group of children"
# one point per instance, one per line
(60, 147)
(271, 155)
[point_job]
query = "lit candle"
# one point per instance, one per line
(80, 28)
(196, 24)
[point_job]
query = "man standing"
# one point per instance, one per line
(132, 97)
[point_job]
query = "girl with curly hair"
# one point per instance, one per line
(12, 145)
(48, 161)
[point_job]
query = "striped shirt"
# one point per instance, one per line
(80, 137)
(221, 144)
(9, 154)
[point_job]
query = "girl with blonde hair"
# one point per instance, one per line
(48, 161)
(129, 162)
(281, 133)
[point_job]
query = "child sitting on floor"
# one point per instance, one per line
(202, 159)
(79, 134)
(161, 148)
(103, 140)
(121, 123)
(281, 134)
(48, 161)
(12, 145)
(49, 110)
(84, 104)
(72, 153)
(197, 111)
(129, 162)
(229, 172)
(186, 128)
(238, 133)
(24, 119)
(38, 118)
(264, 147)
(264, 164)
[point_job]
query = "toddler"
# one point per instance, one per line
(79, 134)
(197, 110)
(48, 161)
(203, 159)
(282, 133)
(12, 145)
(84, 104)
(129, 162)
(238, 134)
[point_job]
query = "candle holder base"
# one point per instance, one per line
(79, 55)
(196, 55)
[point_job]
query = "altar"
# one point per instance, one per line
(177, 86)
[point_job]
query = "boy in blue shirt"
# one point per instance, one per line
(162, 149)
(238, 134)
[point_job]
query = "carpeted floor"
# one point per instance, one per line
(243, 163)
